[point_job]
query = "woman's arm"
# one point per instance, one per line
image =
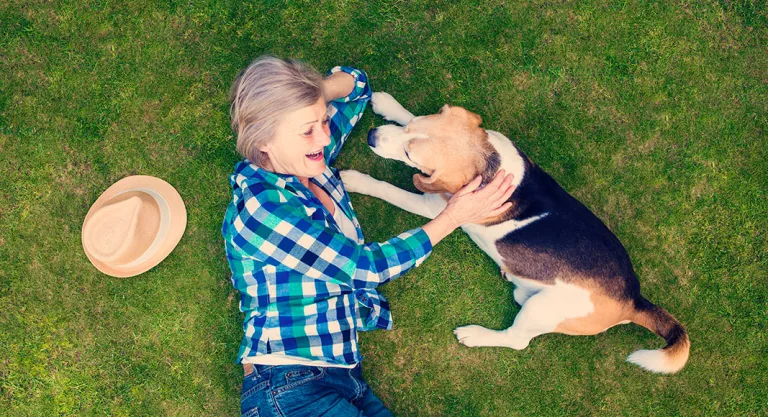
(347, 92)
(337, 85)
(269, 229)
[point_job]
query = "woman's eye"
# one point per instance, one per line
(326, 121)
(308, 133)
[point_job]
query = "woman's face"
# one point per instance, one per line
(301, 135)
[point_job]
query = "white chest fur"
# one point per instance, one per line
(511, 160)
(486, 236)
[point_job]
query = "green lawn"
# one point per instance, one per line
(654, 114)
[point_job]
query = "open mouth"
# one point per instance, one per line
(315, 156)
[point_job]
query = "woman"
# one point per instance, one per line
(307, 278)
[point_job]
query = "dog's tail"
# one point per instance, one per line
(671, 358)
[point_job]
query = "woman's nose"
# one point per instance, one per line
(324, 138)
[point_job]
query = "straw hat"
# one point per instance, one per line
(133, 226)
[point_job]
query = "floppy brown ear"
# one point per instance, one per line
(429, 184)
(474, 118)
(438, 183)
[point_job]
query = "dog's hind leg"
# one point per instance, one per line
(524, 289)
(522, 295)
(541, 314)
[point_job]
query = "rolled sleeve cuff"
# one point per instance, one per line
(362, 90)
(418, 241)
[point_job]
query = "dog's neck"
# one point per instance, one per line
(510, 161)
(507, 157)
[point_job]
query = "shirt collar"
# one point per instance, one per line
(248, 170)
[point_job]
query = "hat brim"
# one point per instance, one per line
(178, 223)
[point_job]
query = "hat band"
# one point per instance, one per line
(165, 225)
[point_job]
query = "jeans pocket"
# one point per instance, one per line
(251, 386)
(253, 412)
(300, 376)
(302, 391)
(254, 395)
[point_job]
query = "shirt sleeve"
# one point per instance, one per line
(276, 232)
(361, 91)
(345, 112)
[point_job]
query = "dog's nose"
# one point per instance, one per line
(372, 137)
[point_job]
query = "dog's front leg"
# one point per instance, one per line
(387, 107)
(425, 205)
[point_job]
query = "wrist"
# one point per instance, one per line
(440, 227)
(450, 219)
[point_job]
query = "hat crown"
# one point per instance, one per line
(124, 228)
(133, 225)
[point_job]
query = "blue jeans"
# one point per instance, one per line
(304, 391)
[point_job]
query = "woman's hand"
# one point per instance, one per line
(470, 205)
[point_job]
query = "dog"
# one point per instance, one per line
(571, 274)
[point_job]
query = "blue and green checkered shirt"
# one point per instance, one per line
(306, 289)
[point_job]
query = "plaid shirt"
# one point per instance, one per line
(306, 289)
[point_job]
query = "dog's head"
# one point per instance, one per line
(449, 147)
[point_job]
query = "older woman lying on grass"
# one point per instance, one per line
(307, 278)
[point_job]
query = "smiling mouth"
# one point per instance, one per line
(315, 156)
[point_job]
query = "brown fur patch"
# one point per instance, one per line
(608, 312)
(455, 151)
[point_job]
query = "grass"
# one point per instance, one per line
(653, 114)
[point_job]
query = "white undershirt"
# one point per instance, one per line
(346, 225)
(349, 230)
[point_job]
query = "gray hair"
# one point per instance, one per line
(267, 89)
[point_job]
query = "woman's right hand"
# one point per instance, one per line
(470, 205)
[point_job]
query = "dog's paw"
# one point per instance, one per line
(387, 107)
(474, 336)
(355, 181)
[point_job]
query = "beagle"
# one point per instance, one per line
(571, 274)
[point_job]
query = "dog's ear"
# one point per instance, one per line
(474, 119)
(439, 182)
(429, 184)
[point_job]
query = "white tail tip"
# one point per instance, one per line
(657, 361)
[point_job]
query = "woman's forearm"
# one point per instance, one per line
(440, 227)
(338, 85)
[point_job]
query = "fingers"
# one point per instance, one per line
(498, 200)
(507, 189)
(496, 182)
(504, 187)
(472, 186)
(504, 207)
